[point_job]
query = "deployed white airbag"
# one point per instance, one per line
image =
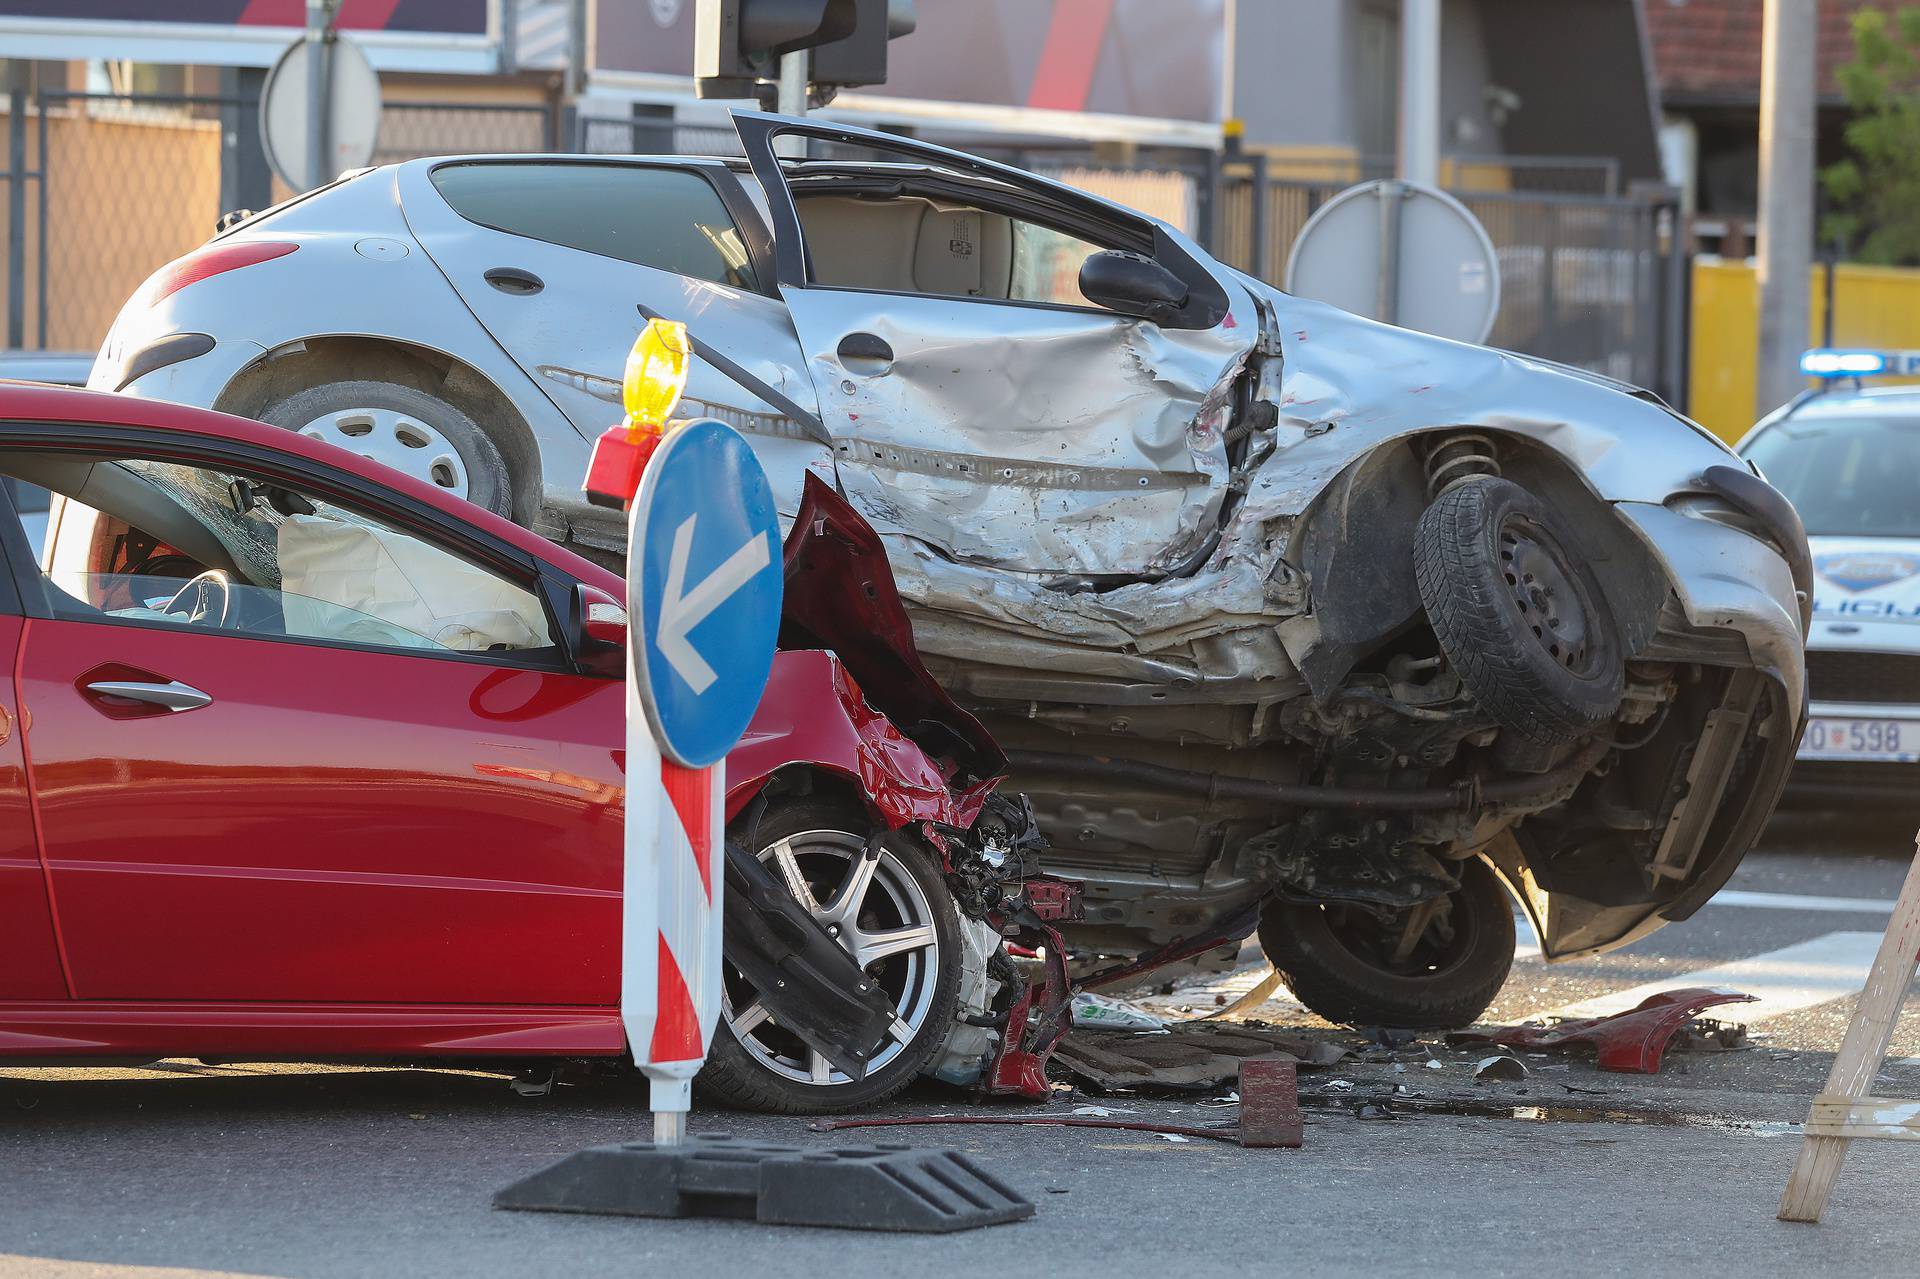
(358, 583)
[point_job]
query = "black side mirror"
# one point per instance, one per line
(1132, 284)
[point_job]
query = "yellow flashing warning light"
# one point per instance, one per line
(656, 374)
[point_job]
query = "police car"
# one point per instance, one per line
(1848, 456)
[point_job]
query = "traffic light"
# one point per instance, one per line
(861, 58)
(736, 42)
(740, 42)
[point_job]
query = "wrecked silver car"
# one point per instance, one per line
(1287, 619)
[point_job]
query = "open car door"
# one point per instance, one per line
(979, 402)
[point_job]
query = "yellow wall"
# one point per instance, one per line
(1874, 306)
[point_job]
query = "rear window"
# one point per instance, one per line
(667, 219)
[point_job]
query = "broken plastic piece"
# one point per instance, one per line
(1499, 1066)
(1631, 1042)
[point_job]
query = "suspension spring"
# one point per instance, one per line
(1457, 459)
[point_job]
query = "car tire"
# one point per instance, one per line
(770, 1070)
(1334, 959)
(1524, 624)
(412, 431)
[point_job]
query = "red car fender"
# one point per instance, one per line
(813, 715)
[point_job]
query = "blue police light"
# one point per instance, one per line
(1829, 362)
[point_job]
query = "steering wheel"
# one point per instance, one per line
(206, 600)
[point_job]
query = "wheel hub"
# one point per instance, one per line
(879, 914)
(394, 439)
(1550, 602)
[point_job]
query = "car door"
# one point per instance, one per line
(360, 771)
(979, 402)
(29, 956)
(564, 259)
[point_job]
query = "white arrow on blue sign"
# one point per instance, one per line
(703, 582)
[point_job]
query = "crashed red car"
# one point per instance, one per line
(302, 758)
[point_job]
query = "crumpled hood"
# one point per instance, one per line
(1349, 384)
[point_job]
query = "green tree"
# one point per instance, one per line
(1874, 194)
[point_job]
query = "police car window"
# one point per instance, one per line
(668, 219)
(1847, 476)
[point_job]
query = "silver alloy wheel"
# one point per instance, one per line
(399, 440)
(880, 914)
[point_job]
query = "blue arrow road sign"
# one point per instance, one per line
(703, 582)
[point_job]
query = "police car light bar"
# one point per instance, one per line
(1826, 362)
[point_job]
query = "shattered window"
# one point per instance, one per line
(179, 546)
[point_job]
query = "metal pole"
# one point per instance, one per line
(794, 68)
(793, 82)
(1420, 91)
(319, 92)
(17, 219)
(1786, 197)
(1257, 214)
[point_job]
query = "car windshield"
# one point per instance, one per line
(1848, 476)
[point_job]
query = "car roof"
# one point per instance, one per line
(1880, 401)
(35, 402)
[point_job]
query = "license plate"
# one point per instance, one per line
(1892, 740)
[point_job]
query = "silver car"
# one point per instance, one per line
(1289, 620)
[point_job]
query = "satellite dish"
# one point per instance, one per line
(353, 124)
(1401, 252)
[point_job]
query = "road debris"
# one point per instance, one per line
(1104, 1012)
(1631, 1042)
(1500, 1066)
(1195, 1057)
(1270, 1104)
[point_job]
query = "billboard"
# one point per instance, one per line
(1161, 60)
(454, 36)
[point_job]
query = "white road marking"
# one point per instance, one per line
(1785, 980)
(1795, 901)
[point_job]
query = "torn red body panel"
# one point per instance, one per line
(849, 693)
(814, 714)
(1631, 1042)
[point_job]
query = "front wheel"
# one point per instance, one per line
(1362, 966)
(896, 916)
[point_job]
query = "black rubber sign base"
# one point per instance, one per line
(855, 1188)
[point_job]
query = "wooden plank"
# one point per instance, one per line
(1855, 1118)
(1861, 1052)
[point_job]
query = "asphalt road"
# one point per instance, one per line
(323, 1171)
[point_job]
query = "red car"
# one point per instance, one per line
(301, 758)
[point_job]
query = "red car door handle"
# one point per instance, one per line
(172, 695)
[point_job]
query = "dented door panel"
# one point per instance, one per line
(1031, 438)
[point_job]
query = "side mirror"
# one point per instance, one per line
(599, 639)
(1132, 284)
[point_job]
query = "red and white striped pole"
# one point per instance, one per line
(670, 950)
(671, 879)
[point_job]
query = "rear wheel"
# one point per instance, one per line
(1435, 965)
(893, 913)
(413, 432)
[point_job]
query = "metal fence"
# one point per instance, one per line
(103, 188)
(1595, 281)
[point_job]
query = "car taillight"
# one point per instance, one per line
(212, 260)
